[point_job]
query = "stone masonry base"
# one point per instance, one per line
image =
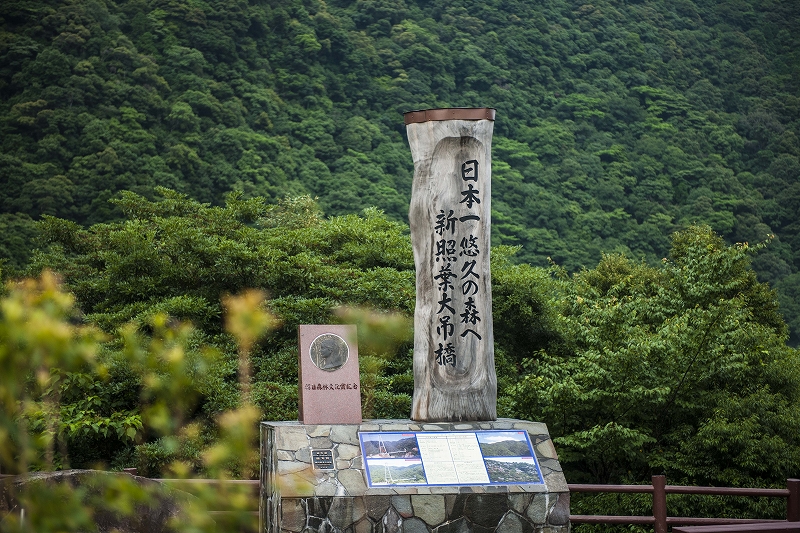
(297, 498)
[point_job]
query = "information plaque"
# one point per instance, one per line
(449, 458)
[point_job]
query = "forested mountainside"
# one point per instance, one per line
(618, 122)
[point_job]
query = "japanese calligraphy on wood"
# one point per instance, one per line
(450, 217)
(329, 377)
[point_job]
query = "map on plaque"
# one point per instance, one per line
(449, 458)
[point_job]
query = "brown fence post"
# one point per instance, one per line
(660, 503)
(793, 501)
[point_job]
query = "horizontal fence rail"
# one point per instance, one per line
(659, 489)
(246, 519)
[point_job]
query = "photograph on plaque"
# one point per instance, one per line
(512, 470)
(449, 458)
(390, 445)
(504, 444)
(382, 472)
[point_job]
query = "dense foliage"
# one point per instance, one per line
(618, 122)
(178, 258)
(679, 368)
(41, 339)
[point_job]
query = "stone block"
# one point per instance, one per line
(460, 525)
(519, 502)
(559, 514)
(291, 438)
(285, 455)
(512, 523)
(546, 449)
(303, 455)
(414, 525)
(537, 510)
(431, 508)
(345, 434)
(377, 506)
(394, 427)
(316, 523)
(321, 443)
(345, 511)
(293, 515)
(550, 464)
(533, 428)
(391, 522)
(556, 482)
(486, 509)
(290, 467)
(326, 488)
(380, 492)
(319, 431)
(455, 506)
(363, 526)
(353, 481)
(318, 506)
(298, 484)
(402, 504)
(348, 451)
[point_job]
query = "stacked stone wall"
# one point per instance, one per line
(298, 498)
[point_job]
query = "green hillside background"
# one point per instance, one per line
(507, 448)
(161, 156)
(618, 122)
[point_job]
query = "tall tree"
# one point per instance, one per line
(680, 369)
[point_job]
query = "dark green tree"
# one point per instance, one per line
(680, 369)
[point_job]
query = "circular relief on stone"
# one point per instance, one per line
(329, 352)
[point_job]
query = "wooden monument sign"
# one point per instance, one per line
(320, 473)
(450, 218)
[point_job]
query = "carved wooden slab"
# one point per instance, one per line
(450, 217)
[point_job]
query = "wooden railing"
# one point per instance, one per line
(220, 511)
(659, 489)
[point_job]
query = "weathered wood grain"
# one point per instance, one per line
(464, 388)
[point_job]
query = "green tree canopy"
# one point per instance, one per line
(616, 127)
(680, 369)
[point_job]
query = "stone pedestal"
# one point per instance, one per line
(299, 498)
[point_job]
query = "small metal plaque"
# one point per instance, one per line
(322, 459)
